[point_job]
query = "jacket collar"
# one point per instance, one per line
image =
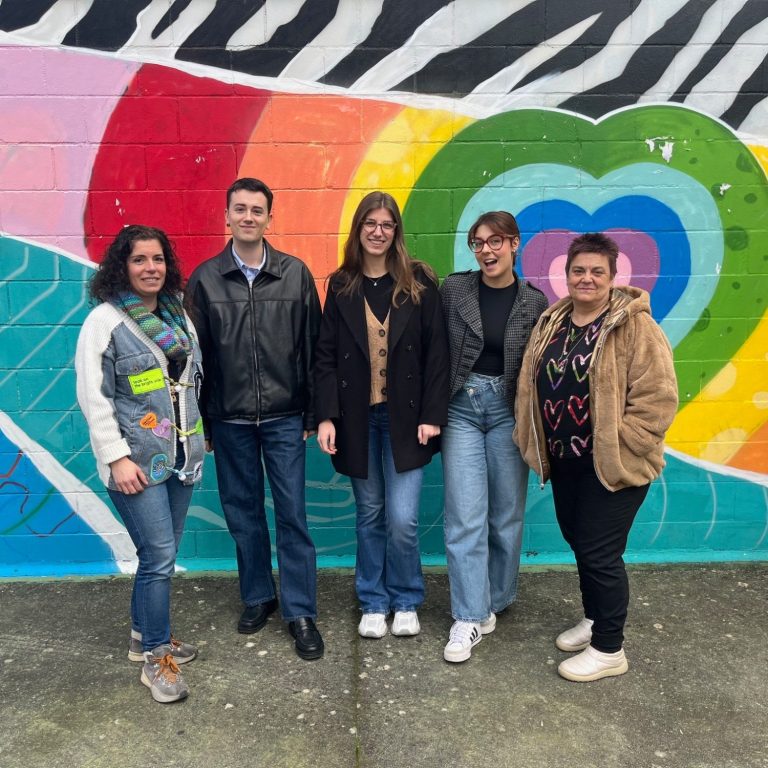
(227, 264)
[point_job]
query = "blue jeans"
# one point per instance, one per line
(154, 520)
(485, 481)
(239, 450)
(388, 570)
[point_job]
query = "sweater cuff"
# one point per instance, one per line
(114, 451)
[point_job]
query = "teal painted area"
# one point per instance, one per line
(691, 514)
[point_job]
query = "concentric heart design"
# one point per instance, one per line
(692, 214)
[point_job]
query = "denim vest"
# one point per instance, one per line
(154, 448)
(134, 380)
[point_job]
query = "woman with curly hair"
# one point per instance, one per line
(381, 396)
(139, 372)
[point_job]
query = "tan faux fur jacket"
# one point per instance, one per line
(632, 392)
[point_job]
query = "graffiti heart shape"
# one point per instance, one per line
(544, 162)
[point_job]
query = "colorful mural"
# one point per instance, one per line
(105, 122)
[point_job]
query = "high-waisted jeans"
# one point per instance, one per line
(485, 482)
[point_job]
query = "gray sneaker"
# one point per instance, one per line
(161, 675)
(182, 652)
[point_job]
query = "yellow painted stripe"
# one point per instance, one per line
(397, 157)
(716, 423)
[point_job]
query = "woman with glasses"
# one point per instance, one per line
(489, 314)
(381, 396)
(139, 371)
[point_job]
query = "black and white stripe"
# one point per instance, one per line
(590, 56)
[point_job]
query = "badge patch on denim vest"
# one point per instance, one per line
(148, 381)
(158, 467)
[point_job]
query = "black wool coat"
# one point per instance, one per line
(417, 377)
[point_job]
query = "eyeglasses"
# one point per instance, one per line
(369, 225)
(476, 244)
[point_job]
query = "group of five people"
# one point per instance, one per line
(393, 369)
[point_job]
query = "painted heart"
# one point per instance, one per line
(604, 175)
(149, 421)
(578, 408)
(544, 256)
(580, 447)
(554, 413)
(555, 373)
(580, 366)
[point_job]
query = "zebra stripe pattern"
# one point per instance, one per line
(486, 56)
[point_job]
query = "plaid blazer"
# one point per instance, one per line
(461, 306)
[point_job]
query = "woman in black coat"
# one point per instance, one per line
(381, 395)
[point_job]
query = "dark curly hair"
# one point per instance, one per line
(111, 277)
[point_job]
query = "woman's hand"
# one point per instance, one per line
(128, 476)
(426, 432)
(326, 437)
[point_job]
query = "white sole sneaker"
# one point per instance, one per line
(464, 636)
(406, 624)
(592, 664)
(372, 625)
(576, 638)
(487, 626)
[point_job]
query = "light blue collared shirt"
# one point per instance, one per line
(251, 273)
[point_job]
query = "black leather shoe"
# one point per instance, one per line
(309, 644)
(255, 617)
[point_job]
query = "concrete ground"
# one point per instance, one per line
(696, 695)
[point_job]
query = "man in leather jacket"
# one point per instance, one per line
(257, 314)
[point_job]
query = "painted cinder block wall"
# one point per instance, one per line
(647, 121)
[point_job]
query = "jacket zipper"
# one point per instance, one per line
(534, 402)
(593, 386)
(255, 351)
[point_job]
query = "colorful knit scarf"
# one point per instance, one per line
(169, 331)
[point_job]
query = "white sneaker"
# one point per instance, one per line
(592, 664)
(487, 626)
(373, 625)
(576, 638)
(465, 635)
(406, 624)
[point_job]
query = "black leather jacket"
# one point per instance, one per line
(257, 340)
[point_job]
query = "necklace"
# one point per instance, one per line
(375, 280)
(573, 337)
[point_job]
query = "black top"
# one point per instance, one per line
(562, 380)
(378, 294)
(495, 306)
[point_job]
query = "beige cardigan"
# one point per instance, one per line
(632, 392)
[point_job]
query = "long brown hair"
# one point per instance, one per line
(400, 265)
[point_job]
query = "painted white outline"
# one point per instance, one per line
(82, 500)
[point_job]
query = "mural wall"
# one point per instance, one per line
(648, 122)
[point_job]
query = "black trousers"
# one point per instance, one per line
(595, 522)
